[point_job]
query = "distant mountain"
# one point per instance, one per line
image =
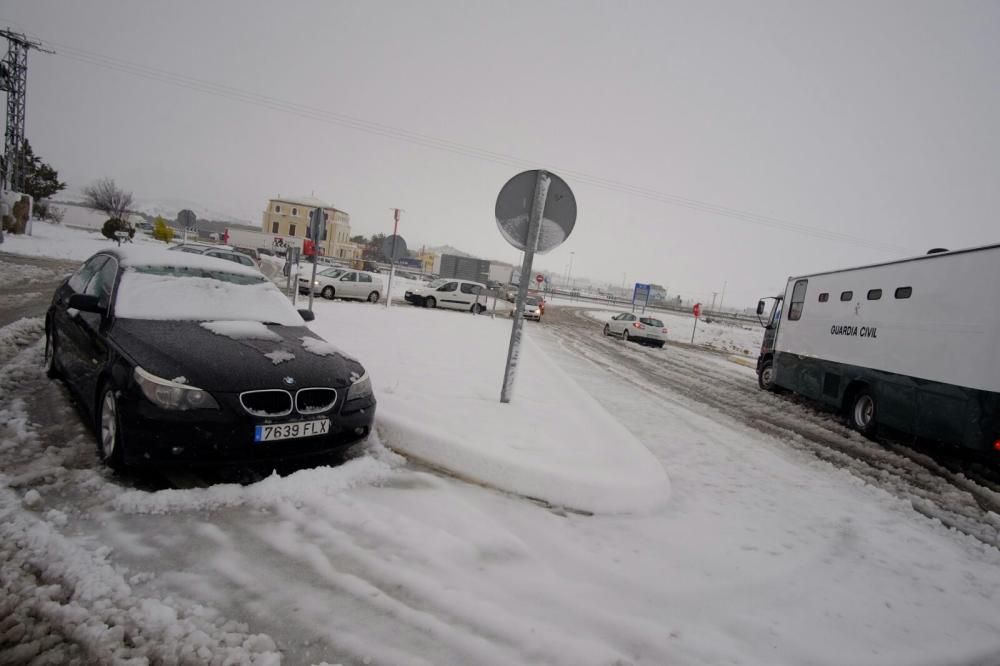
(448, 249)
(168, 208)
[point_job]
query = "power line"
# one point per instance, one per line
(437, 143)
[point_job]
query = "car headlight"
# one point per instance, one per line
(362, 388)
(168, 394)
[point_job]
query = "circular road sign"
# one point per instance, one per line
(539, 278)
(187, 219)
(393, 248)
(513, 211)
(696, 309)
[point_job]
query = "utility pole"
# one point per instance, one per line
(14, 81)
(724, 283)
(392, 254)
(714, 294)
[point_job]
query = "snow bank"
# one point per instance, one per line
(437, 377)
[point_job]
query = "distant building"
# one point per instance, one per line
(464, 268)
(289, 216)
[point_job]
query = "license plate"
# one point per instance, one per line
(269, 433)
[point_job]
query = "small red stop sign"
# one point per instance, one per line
(696, 309)
(539, 278)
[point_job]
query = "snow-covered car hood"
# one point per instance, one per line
(217, 357)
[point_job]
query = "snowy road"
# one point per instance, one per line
(27, 283)
(714, 383)
(766, 554)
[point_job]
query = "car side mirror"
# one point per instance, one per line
(760, 307)
(85, 303)
(307, 315)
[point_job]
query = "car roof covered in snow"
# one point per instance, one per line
(138, 255)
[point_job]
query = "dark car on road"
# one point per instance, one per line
(187, 359)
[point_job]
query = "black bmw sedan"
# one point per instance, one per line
(184, 359)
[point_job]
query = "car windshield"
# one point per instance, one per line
(183, 293)
(331, 272)
(648, 321)
(531, 300)
(437, 283)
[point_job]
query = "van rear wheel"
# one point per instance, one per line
(863, 412)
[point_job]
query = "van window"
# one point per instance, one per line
(846, 295)
(469, 288)
(798, 300)
(824, 297)
(451, 286)
(874, 294)
(904, 292)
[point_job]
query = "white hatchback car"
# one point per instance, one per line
(342, 283)
(450, 293)
(644, 330)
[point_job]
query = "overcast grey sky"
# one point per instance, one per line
(873, 120)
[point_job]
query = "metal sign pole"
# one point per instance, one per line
(534, 229)
(392, 259)
(695, 328)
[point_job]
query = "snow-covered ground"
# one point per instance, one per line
(63, 242)
(763, 554)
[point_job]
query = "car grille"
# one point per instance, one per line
(267, 402)
(315, 400)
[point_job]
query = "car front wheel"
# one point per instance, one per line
(429, 302)
(109, 431)
(51, 364)
(328, 293)
(477, 308)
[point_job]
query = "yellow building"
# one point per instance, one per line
(289, 216)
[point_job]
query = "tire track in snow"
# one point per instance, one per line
(931, 488)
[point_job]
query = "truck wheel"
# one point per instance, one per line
(863, 412)
(765, 378)
(328, 293)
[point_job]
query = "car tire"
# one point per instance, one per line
(429, 302)
(863, 412)
(625, 335)
(110, 446)
(373, 297)
(659, 345)
(52, 370)
(765, 378)
(607, 329)
(328, 293)
(477, 308)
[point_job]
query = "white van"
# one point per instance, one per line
(450, 293)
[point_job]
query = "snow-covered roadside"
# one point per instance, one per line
(63, 600)
(62, 242)
(439, 402)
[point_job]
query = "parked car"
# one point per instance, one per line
(218, 251)
(342, 283)
(249, 251)
(450, 293)
(644, 330)
(172, 357)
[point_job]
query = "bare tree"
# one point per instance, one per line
(106, 197)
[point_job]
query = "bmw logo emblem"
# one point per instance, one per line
(289, 381)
